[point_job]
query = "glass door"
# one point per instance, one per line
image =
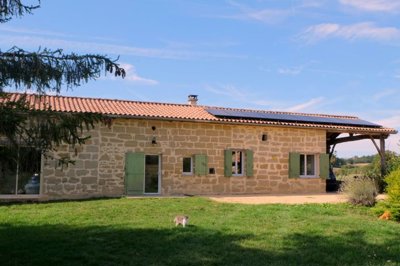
(152, 174)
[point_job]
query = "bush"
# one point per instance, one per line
(380, 207)
(360, 190)
(393, 191)
(374, 169)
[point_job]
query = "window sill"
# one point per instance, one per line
(187, 174)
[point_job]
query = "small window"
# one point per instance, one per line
(237, 163)
(307, 165)
(187, 166)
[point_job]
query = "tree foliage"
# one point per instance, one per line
(14, 8)
(44, 71)
(47, 70)
(393, 191)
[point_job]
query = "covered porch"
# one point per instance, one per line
(377, 136)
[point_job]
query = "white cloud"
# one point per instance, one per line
(312, 3)
(24, 38)
(268, 103)
(132, 76)
(392, 121)
(303, 106)
(397, 74)
(374, 5)
(293, 71)
(265, 15)
(383, 94)
(241, 95)
(227, 90)
(28, 31)
(364, 30)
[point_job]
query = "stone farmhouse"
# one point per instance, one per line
(187, 149)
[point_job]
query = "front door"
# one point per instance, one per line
(142, 173)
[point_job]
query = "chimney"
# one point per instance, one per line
(192, 99)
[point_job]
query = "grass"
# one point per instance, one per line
(141, 232)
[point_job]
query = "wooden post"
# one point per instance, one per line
(383, 159)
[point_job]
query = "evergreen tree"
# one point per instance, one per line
(43, 71)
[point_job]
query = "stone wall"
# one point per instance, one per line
(99, 168)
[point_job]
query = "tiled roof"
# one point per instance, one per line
(183, 112)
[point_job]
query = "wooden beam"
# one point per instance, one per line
(352, 138)
(383, 159)
(381, 151)
(376, 146)
(332, 151)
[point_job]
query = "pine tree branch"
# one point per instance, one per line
(14, 8)
(21, 125)
(45, 130)
(47, 70)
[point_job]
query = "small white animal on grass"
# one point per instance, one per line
(181, 220)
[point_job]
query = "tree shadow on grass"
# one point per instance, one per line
(97, 245)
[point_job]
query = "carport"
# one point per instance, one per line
(376, 133)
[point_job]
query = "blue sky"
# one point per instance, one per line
(314, 56)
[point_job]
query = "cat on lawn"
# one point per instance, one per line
(181, 220)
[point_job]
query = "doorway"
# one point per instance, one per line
(142, 173)
(152, 174)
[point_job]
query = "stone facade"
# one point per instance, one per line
(99, 168)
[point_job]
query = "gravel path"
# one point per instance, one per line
(285, 199)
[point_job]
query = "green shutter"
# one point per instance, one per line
(324, 166)
(200, 164)
(228, 163)
(249, 162)
(294, 165)
(134, 173)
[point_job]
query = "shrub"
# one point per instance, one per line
(374, 169)
(380, 207)
(393, 191)
(360, 190)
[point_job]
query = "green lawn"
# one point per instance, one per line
(141, 232)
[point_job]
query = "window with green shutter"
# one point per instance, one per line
(200, 164)
(238, 163)
(306, 165)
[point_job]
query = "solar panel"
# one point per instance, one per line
(242, 114)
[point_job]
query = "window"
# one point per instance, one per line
(307, 165)
(19, 171)
(187, 166)
(237, 163)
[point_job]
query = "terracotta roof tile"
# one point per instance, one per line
(185, 112)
